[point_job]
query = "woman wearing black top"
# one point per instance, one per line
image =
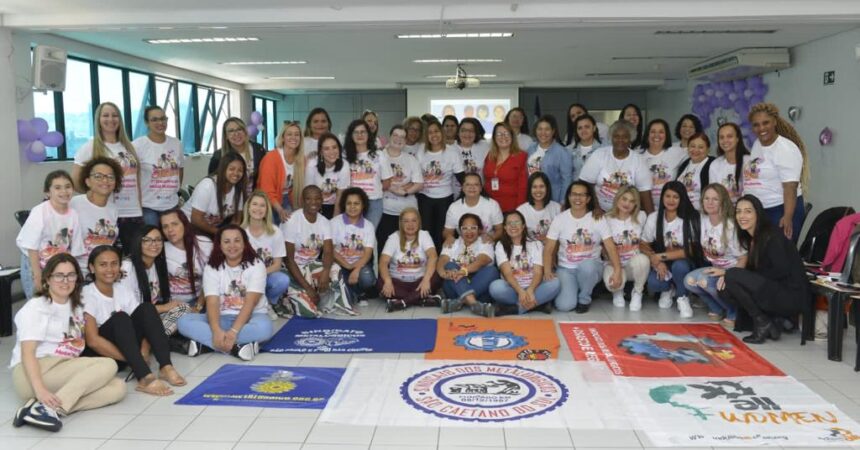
(773, 285)
(234, 138)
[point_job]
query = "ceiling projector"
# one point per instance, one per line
(461, 80)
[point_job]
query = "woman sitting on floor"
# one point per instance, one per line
(467, 269)
(407, 266)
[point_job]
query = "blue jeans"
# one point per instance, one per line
(366, 280)
(477, 284)
(709, 293)
(374, 212)
(285, 203)
(503, 293)
(576, 284)
(196, 327)
(151, 217)
(276, 286)
(679, 269)
(27, 276)
(775, 214)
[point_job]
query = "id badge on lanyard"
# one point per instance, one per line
(494, 183)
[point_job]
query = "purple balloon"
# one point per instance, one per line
(252, 130)
(52, 139)
(733, 97)
(40, 125)
(725, 102)
(709, 91)
(36, 152)
(756, 99)
(698, 90)
(826, 136)
(739, 85)
(26, 133)
(741, 108)
(256, 118)
(719, 94)
(714, 102)
(748, 92)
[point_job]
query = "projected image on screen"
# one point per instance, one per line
(487, 110)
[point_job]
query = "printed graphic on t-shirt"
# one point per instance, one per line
(613, 182)
(751, 172)
(180, 282)
(216, 219)
(73, 339)
(61, 243)
(580, 246)
(352, 249)
(165, 167)
(712, 248)
(689, 181)
(155, 291)
(469, 163)
(671, 239)
(729, 183)
(659, 174)
(310, 248)
(128, 163)
(410, 260)
(103, 233)
(266, 255)
(534, 164)
(329, 189)
(627, 242)
(433, 174)
(234, 298)
(540, 230)
(522, 268)
(466, 256)
(397, 170)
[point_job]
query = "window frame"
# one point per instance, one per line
(263, 138)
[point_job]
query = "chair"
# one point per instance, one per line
(817, 238)
(21, 216)
(190, 189)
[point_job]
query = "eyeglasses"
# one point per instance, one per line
(64, 277)
(102, 177)
(514, 223)
(503, 135)
(235, 130)
(151, 241)
(469, 228)
(158, 119)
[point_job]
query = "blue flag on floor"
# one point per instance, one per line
(266, 386)
(354, 336)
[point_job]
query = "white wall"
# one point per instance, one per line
(21, 181)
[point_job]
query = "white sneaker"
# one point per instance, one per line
(665, 301)
(636, 301)
(244, 352)
(618, 299)
(684, 307)
(193, 348)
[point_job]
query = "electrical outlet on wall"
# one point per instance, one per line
(829, 77)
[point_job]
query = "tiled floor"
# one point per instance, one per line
(146, 422)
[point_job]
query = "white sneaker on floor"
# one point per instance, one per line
(684, 307)
(636, 301)
(665, 301)
(193, 348)
(618, 299)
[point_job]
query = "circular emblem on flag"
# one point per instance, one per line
(483, 392)
(489, 341)
(319, 341)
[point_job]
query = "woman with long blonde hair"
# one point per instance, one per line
(624, 222)
(407, 266)
(282, 172)
(110, 141)
(268, 241)
(778, 169)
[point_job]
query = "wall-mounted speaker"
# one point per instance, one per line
(49, 68)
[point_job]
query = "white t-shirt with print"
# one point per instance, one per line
(720, 255)
(625, 233)
(368, 172)
(411, 264)
(57, 327)
(722, 172)
(578, 239)
(160, 166)
(330, 182)
(525, 141)
(177, 269)
(404, 170)
(308, 238)
(486, 208)
(310, 146)
(538, 222)
(413, 149)
(50, 233)
(473, 157)
(129, 281)
(663, 167)
(205, 200)
(351, 240)
(769, 167)
(609, 174)
(691, 178)
(268, 246)
(101, 307)
(535, 159)
(522, 262)
(464, 255)
(673, 232)
(98, 225)
(128, 198)
(438, 169)
(232, 284)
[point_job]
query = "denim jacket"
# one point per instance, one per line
(557, 164)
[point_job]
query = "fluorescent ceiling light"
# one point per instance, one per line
(455, 61)
(715, 32)
(455, 35)
(201, 40)
(301, 78)
(487, 75)
(262, 63)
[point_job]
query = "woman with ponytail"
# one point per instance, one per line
(778, 169)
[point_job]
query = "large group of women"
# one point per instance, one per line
(431, 215)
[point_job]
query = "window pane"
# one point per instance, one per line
(271, 128)
(186, 117)
(207, 119)
(110, 87)
(138, 86)
(77, 106)
(164, 97)
(43, 106)
(222, 113)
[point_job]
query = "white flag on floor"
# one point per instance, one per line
(534, 394)
(743, 411)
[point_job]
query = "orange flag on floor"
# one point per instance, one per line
(495, 339)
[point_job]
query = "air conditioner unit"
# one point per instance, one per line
(49, 68)
(741, 64)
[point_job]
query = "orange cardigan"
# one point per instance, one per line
(272, 177)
